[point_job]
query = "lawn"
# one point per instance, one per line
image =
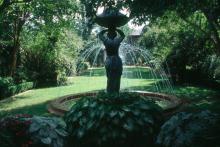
(35, 101)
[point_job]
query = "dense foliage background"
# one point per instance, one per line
(40, 40)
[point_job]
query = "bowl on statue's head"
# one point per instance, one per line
(111, 18)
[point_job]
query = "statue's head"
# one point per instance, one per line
(112, 33)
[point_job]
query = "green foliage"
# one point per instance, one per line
(151, 9)
(9, 88)
(182, 44)
(181, 33)
(190, 129)
(16, 16)
(68, 46)
(211, 67)
(81, 66)
(39, 59)
(7, 81)
(31, 131)
(24, 87)
(113, 120)
(48, 132)
(62, 79)
(69, 43)
(54, 51)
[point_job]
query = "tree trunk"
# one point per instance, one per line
(13, 60)
(17, 30)
(215, 37)
(214, 32)
(14, 51)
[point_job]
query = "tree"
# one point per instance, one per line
(183, 47)
(14, 14)
(142, 11)
(49, 54)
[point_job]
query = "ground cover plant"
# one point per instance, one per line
(107, 120)
(198, 129)
(23, 130)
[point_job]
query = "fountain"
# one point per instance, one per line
(113, 118)
(112, 37)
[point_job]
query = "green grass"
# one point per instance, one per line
(35, 101)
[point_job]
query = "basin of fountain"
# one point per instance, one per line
(60, 106)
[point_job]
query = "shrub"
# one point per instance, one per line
(24, 87)
(62, 79)
(20, 76)
(210, 67)
(8, 88)
(81, 66)
(46, 55)
(14, 131)
(126, 120)
(31, 131)
(190, 130)
(5, 83)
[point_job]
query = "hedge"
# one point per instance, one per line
(7, 91)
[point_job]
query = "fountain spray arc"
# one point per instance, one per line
(111, 18)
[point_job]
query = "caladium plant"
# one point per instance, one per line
(184, 129)
(14, 131)
(108, 120)
(47, 131)
(24, 130)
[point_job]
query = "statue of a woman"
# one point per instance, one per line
(113, 63)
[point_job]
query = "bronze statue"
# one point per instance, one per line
(113, 63)
(112, 38)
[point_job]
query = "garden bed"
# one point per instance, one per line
(63, 104)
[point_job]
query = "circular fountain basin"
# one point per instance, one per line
(60, 106)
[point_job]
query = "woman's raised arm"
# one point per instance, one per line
(101, 35)
(121, 33)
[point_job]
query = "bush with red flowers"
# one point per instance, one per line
(32, 131)
(14, 130)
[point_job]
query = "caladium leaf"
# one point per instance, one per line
(46, 140)
(34, 127)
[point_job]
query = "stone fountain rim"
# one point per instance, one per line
(54, 109)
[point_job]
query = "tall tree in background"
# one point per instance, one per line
(14, 14)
